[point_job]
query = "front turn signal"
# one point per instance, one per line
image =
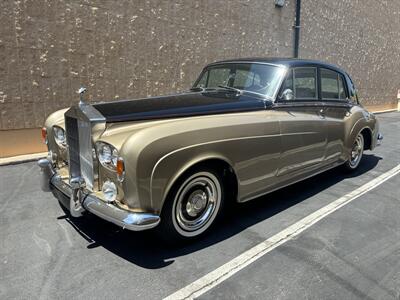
(120, 169)
(44, 135)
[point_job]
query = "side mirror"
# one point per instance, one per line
(287, 95)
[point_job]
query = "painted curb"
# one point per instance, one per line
(21, 158)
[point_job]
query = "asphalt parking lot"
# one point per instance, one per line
(352, 253)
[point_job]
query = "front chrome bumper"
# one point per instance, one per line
(135, 221)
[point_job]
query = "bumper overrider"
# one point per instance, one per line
(379, 139)
(81, 200)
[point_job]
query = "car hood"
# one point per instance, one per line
(180, 105)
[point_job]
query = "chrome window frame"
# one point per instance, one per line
(280, 81)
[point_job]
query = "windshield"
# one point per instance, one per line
(257, 78)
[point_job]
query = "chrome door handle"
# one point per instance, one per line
(321, 113)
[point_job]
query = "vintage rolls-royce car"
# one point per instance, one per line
(247, 127)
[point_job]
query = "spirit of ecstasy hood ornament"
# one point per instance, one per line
(81, 91)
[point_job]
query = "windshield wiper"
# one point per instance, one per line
(241, 92)
(229, 88)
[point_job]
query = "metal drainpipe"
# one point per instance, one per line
(297, 29)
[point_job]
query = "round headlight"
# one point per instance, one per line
(109, 190)
(107, 155)
(59, 136)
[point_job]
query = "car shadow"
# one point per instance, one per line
(146, 250)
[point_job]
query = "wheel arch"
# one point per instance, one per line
(212, 160)
(367, 135)
(361, 125)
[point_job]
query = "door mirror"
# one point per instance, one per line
(287, 95)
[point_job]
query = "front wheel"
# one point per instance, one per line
(193, 205)
(356, 154)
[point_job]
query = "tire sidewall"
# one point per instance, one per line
(348, 163)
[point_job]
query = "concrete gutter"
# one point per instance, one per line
(384, 111)
(21, 158)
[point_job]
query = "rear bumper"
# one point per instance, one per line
(135, 221)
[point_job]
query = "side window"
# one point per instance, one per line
(332, 85)
(305, 83)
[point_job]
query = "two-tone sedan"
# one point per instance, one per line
(246, 128)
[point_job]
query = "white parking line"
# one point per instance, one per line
(222, 273)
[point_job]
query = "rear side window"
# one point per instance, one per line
(305, 83)
(332, 85)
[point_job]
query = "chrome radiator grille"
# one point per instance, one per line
(86, 153)
(81, 123)
(72, 134)
(79, 140)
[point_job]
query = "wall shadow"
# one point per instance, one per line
(145, 248)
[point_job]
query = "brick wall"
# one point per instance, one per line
(363, 37)
(122, 49)
(128, 49)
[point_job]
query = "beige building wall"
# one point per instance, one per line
(363, 37)
(129, 49)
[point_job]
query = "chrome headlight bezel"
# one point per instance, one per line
(107, 155)
(59, 136)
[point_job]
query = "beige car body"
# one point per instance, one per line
(156, 153)
(262, 150)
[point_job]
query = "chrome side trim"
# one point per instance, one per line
(324, 169)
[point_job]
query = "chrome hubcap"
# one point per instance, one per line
(356, 152)
(197, 202)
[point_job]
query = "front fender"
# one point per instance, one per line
(163, 176)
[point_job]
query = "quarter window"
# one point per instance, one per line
(305, 83)
(332, 85)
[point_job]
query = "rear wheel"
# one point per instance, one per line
(356, 153)
(193, 205)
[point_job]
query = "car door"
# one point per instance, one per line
(334, 94)
(302, 127)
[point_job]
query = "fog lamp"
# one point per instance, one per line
(109, 190)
